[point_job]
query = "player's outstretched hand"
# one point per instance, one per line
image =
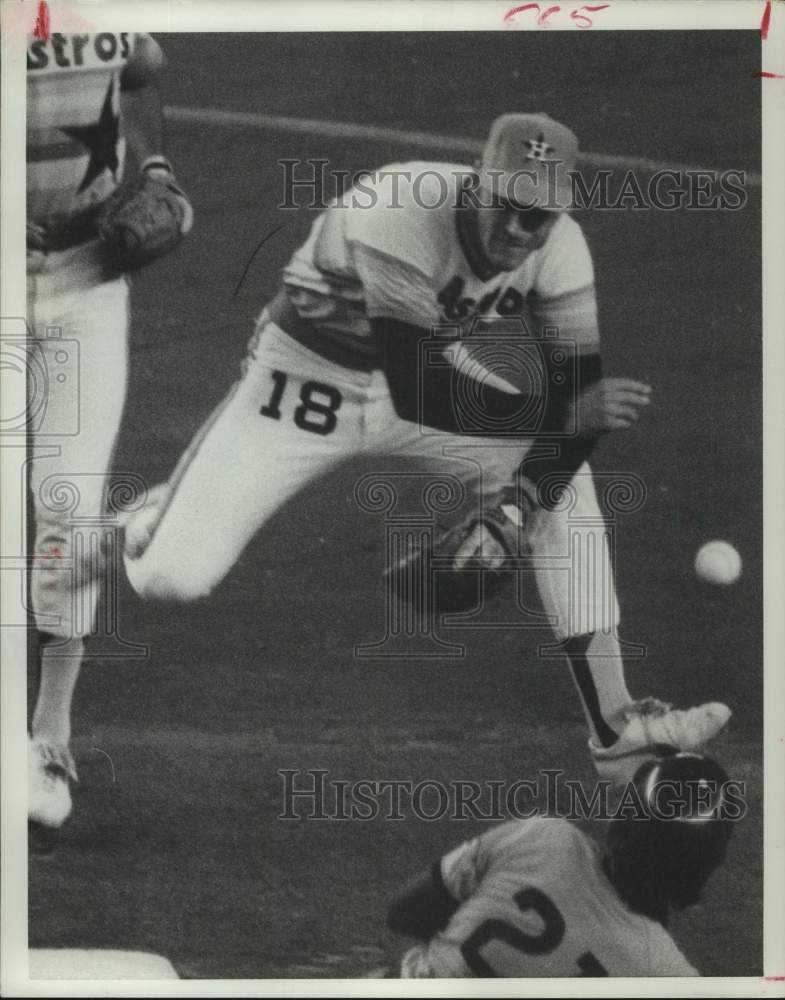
(611, 404)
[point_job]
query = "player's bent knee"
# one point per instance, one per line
(161, 587)
(154, 584)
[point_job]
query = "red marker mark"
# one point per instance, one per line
(546, 14)
(764, 33)
(578, 18)
(514, 11)
(41, 29)
(764, 24)
(775, 979)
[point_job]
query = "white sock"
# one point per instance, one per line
(57, 681)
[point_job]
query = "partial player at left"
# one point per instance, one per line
(95, 173)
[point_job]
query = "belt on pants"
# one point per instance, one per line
(283, 313)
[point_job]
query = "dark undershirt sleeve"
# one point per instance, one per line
(431, 392)
(424, 908)
(551, 464)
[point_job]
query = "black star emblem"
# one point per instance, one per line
(101, 139)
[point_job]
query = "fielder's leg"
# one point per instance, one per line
(81, 345)
(571, 558)
(292, 417)
(574, 573)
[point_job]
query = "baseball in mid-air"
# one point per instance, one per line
(718, 562)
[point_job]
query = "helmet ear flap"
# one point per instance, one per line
(633, 868)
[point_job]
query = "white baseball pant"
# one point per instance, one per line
(76, 399)
(293, 417)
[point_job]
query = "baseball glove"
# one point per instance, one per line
(464, 563)
(145, 218)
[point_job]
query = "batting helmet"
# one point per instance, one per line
(662, 854)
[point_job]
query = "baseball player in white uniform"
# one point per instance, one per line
(414, 257)
(91, 100)
(537, 898)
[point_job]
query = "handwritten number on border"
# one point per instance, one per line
(579, 19)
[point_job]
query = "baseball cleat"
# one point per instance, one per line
(50, 769)
(652, 724)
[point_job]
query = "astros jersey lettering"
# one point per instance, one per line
(75, 149)
(397, 246)
(536, 902)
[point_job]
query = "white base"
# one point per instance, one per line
(97, 963)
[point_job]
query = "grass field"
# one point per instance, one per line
(175, 845)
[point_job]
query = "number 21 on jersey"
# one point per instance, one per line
(548, 939)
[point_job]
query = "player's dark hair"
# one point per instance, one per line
(661, 857)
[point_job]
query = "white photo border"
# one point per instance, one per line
(162, 16)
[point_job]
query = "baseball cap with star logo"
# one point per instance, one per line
(527, 160)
